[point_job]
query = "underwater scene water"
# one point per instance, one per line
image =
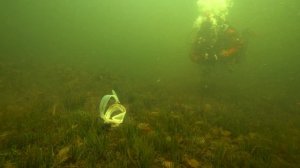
(189, 101)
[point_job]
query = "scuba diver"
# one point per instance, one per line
(217, 41)
(217, 47)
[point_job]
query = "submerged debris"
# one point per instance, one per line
(144, 127)
(63, 155)
(193, 163)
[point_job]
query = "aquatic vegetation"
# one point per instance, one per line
(63, 129)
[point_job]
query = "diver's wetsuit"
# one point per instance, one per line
(216, 43)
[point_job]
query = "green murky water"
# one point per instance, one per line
(59, 57)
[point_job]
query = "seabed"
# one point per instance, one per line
(51, 119)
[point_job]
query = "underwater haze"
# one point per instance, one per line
(122, 35)
(59, 57)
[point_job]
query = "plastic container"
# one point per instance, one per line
(112, 112)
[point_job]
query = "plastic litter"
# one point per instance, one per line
(115, 112)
